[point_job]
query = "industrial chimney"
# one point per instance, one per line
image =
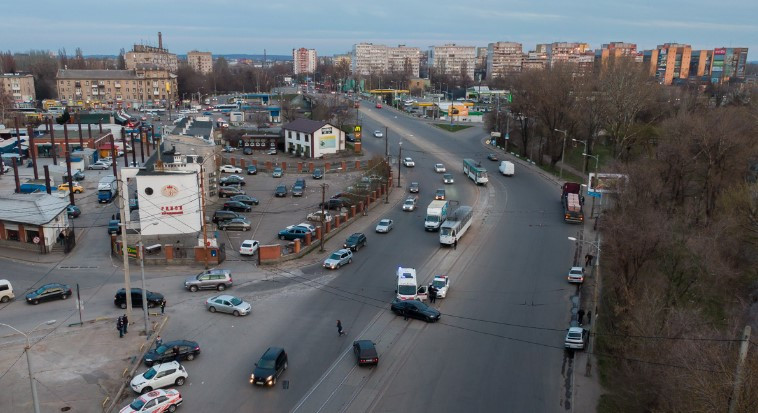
(160, 40)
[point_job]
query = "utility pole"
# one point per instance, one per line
(399, 158)
(323, 215)
(387, 153)
(125, 251)
(740, 373)
(202, 215)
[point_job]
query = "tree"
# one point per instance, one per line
(64, 118)
(260, 119)
(6, 103)
(553, 98)
(43, 68)
(7, 63)
(121, 60)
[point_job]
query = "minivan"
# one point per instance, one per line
(6, 291)
(506, 168)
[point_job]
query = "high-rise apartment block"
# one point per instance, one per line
(200, 61)
(146, 85)
(153, 56)
(569, 52)
(728, 63)
(452, 59)
(669, 62)
(503, 58)
(370, 58)
(304, 60)
(404, 59)
(20, 87)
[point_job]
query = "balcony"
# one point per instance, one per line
(117, 84)
(16, 88)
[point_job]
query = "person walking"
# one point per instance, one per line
(580, 315)
(432, 294)
(177, 358)
(455, 244)
(589, 317)
(158, 342)
(126, 324)
(588, 260)
(405, 314)
(340, 331)
(163, 306)
(120, 326)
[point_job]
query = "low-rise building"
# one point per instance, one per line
(20, 87)
(34, 222)
(312, 139)
(144, 86)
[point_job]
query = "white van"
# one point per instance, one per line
(6, 291)
(506, 168)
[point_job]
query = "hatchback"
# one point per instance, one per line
(252, 170)
(409, 204)
(338, 259)
(73, 211)
(440, 194)
(228, 304)
(297, 190)
(278, 172)
(160, 375)
(281, 191)
(270, 366)
(249, 247)
(47, 292)
(317, 174)
(413, 188)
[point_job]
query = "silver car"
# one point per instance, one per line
(228, 304)
(215, 279)
(338, 259)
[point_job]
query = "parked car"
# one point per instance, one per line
(278, 172)
(305, 225)
(232, 180)
(229, 191)
(155, 401)
(47, 292)
(212, 279)
(365, 352)
(408, 162)
(153, 299)
(576, 275)
(384, 226)
(355, 241)
(378, 105)
(269, 367)
(448, 178)
(73, 211)
(318, 216)
(230, 169)
(336, 203)
(440, 194)
(317, 174)
(415, 309)
(338, 259)
(252, 169)
(237, 206)
(439, 168)
(99, 166)
(297, 190)
(224, 215)
(281, 191)
(228, 304)
(114, 227)
(247, 150)
(249, 247)
(301, 182)
(271, 151)
(171, 351)
(6, 291)
(576, 338)
(236, 224)
(160, 375)
(350, 137)
(293, 233)
(413, 188)
(245, 199)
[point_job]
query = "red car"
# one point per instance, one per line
(378, 105)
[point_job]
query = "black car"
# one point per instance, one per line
(252, 169)
(336, 203)
(246, 199)
(172, 350)
(415, 309)
(365, 352)
(492, 157)
(229, 191)
(317, 174)
(236, 206)
(248, 150)
(270, 366)
(350, 137)
(231, 180)
(355, 241)
(281, 191)
(223, 215)
(47, 292)
(153, 299)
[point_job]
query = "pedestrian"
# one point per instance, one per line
(163, 306)
(120, 326)
(580, 315)
(589, 317)
(588, 260)
(432, 294)
(176, 354)
(158, 342)
(126, 324)
(340, 331)
(455, 244)
(405, 314)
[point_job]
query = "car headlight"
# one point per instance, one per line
(269, 378)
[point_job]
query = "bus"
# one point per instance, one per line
(456, 225)
(475, 171)
(227, 107)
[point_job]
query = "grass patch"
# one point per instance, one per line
(574, 156)
(568, 176)
(451, 128)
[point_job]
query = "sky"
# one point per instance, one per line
(333, 27)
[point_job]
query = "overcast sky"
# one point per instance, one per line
(330, 26)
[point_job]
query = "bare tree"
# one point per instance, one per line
(6, 103)
(7, 63)
(260, 119)
(553, 98)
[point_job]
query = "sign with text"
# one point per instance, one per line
(606, 183)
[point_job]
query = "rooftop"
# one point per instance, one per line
(34, 209)
(304, 125)
(97, 74)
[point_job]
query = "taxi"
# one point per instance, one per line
(78, 189)
(156, 401)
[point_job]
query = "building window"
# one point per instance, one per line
(11, 235)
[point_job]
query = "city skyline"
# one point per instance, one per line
(332, 28)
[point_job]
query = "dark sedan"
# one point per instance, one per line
(245, 199)
(248, 150)
(73, 211)
(252, 169)
(492, 157)
(281, 191)
(232, 180)
(172, 350)
(317, 174)
(365, 352)
(237, 206)
(47, 292)
(415, 309)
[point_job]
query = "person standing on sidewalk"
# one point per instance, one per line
(340, 331)
(120, 326)
(163, 306)
(126, 324)
(158, 342)
(580, 317)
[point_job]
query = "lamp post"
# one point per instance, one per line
(142, 271)
(585, 150)
(399, 159)
(28, 347)
(591, 345)
(597, 161)
(563, 151)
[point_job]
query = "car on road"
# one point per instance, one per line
(171, 351)
(408, 162)
(232, 180)
(378, 105)
(339, 258)
(153, 299)
(293, 233)
(252, 170)
(230, 169)
(384, 226)
(160, 375)
(236, 224)
(249, 247)
(378, 134)
(229, 191)
(440, 194)
(576, 275)
(156, 401)
(212, 279)
(355, 241)
(114, 227)
(576, 338)
(99, 166)
(245, 199)
(278, 172)
(349, 137)
(318, 216)
(73, 211)
(413, 188)
(222, 215)
(78, 189)
(415, 309)
(409, 204)
(448, 178)
(442, 284)
(228, 304)
(269, 367)
(297, 190)
(439, 168)
(492, 156)
(365, 352)
(280, 191)
(47, 292)
(237, 206)
(317, 174)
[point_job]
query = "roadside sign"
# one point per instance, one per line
(36, 240)
(594, 194)
(495, 134)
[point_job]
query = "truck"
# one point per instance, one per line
(573, 202)
(436, 213)
(107, 189)
(407, 285)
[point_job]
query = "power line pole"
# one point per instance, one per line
(202, 215)
(323, 215)
(740, 373)
(387, 154)
(399, 157)
(125, 251)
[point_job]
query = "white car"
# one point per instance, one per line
(408, 162)
(378, 134)
(160, 375)
(99, 165)
(384, 225)
(576, 275)
(409, 204)
(308, 226)
(442, 284)
(230, 169)
(439, 168)
(575, 338)
(249, 247)
(316, 216)
(156, 401)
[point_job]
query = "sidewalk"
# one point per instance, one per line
(34, 257)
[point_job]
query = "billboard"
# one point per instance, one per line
(606, 183)
(328, 142)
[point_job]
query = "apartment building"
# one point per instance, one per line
(145, 85)
(568, 52)
(535, 59)
(403, 58)
(200, 61)
(149, 55)
(339, 58)
(453, 59)
(304, 60)
(728, 63)
(615, 50)
(503, 58)
(20, 87)
(368, 58)
(669, 62)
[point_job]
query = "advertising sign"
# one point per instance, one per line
(328, 141)
(606, 183)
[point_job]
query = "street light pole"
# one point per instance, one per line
(584, 153)
(35, 399)
(399, 158)
(563, 151)
(597, 161)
